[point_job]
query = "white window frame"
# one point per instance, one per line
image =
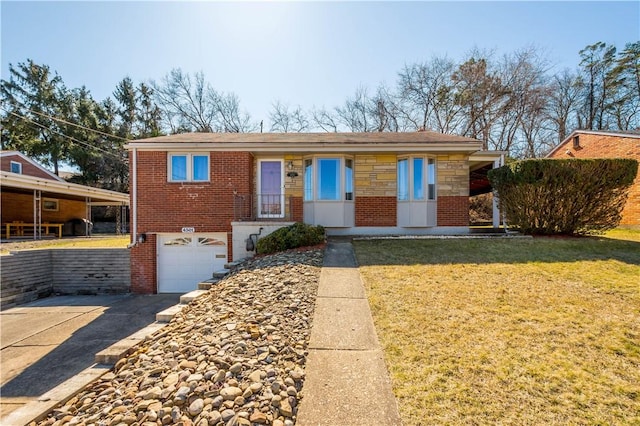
(426, 179)
(189, 172)
(55, 202)
(313, 194)
(15, 163)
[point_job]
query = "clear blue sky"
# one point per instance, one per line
(296, 52)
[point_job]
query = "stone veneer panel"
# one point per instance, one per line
(452, 175)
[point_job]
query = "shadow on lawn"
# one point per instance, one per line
(495, 250)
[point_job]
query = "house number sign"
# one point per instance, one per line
(188, 230)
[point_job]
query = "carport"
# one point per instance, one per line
(31, 205)
(479, 165)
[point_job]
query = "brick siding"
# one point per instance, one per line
(453, 211)
(608, 146)
(28, 169)
(376, 211)
(169, 206)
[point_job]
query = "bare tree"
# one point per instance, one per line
(284, 120)
(426, 89)
(353, 113)
(324, 120)
(563, 101)
(192, 105)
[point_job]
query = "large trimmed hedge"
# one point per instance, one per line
(573, 196)
(289, 237)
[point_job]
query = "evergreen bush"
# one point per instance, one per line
(296, 235)
(572, 196)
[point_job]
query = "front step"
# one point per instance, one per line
(221, 273)
(207, 284)
(185, 299)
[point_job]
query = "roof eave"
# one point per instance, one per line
(315, 147)
(14, 180)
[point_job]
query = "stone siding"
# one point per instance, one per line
(375, 175)
(452, 176)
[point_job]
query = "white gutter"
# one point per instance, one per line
(134, 199)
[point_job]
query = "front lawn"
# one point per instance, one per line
(517, 331)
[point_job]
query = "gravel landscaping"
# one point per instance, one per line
(234, 356)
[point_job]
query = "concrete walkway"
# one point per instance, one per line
(347, 382)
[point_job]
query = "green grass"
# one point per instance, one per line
(518, 331)
(106, 241)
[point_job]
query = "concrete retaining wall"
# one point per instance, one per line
(26, 276)
(32, 274)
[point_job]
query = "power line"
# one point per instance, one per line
(69, 123)
(68, 137)
(77, 125)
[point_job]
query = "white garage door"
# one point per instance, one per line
(186, 259)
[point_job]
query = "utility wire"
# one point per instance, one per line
(77, 125)
(69, 123)
(68, 137)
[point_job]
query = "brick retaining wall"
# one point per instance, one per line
(32, 274)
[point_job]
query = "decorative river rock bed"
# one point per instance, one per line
(234, 356)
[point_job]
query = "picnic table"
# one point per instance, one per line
(19, 228)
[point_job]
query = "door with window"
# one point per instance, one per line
(270, 188)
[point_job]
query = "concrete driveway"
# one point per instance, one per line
(46, 342)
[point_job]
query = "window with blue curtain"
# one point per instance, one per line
(200, 167)
(188, 167)
(178, 167)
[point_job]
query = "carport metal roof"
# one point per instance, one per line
(96, 196)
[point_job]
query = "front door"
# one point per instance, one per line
(271, 188)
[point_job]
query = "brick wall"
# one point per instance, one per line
(606, 146)
(17, 206)
(32, 274)
(168, 207)
(376, 211)
(453, 211)
(296, 208)
(27, 168)
(144, 267)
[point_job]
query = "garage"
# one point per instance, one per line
(186, 259)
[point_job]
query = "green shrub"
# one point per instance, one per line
(574, 196)
(296, 235)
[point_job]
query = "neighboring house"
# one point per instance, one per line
(603, 144)
(198, 199)
(36, 201)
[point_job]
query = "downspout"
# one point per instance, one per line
(134, 199)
